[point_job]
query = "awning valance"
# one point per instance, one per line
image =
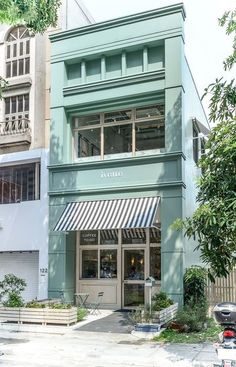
(109, 214)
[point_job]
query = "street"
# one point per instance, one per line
(60, 346)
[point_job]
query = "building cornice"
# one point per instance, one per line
(146, 187)
(176, 8)
(157, 158)
(155, 38)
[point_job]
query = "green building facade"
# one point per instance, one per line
(126, 121)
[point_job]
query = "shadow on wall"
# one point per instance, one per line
(173, 241)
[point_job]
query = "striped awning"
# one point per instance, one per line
(109, 214)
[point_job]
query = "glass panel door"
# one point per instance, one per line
(133, 277)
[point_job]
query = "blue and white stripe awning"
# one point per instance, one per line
(109, 214)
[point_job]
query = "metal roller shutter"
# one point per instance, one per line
(24, 265)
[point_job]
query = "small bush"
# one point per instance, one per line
(59, 306)
(81, 313)
(13, 300)
(194, 285)
(10, 289)
(161, 301)
(191, 318)
(35, 304)
(140, 315)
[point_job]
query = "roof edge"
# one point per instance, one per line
(132, 18)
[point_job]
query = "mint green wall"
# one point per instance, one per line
(61, 256)
(117, 34)
(193, 109)
(128, 62)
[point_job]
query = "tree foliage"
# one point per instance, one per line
(214, 222)
(36, 15)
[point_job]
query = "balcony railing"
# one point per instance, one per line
(13, 127)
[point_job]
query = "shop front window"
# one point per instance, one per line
(108, 264)
(89, 264)
(99, 254)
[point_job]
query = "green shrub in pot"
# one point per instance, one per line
(160, 301)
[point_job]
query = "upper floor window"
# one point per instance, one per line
(18, 52)
(19, 183)
(17, 107)
(17, 113)
(125, 131)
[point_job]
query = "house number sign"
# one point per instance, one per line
(43, 272)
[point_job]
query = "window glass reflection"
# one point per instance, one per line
(147, 112)
(150, 135)
(88, 120)
(108, 264)
(133, 295)
(109, 237)
(134, 264)
(89, 143)
(89, 264)
(155, 262)
(117, 116)
(118, 139)
(155, 235)
(134, 235)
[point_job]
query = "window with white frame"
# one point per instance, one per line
(18, 52)
(99, 254)
(19, 183)
(124, 131)
(17, 111)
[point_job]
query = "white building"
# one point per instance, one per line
(24, 141)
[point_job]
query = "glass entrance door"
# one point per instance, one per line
(133, 278)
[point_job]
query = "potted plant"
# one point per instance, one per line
(163, 308)
(149, 320)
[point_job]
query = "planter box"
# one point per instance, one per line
(42, 316)
(146, 331)
(147, 328)
(164, 316)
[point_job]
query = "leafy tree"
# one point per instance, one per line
(214, 221)
(36, 15)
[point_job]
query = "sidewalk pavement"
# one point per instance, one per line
(61, 346)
